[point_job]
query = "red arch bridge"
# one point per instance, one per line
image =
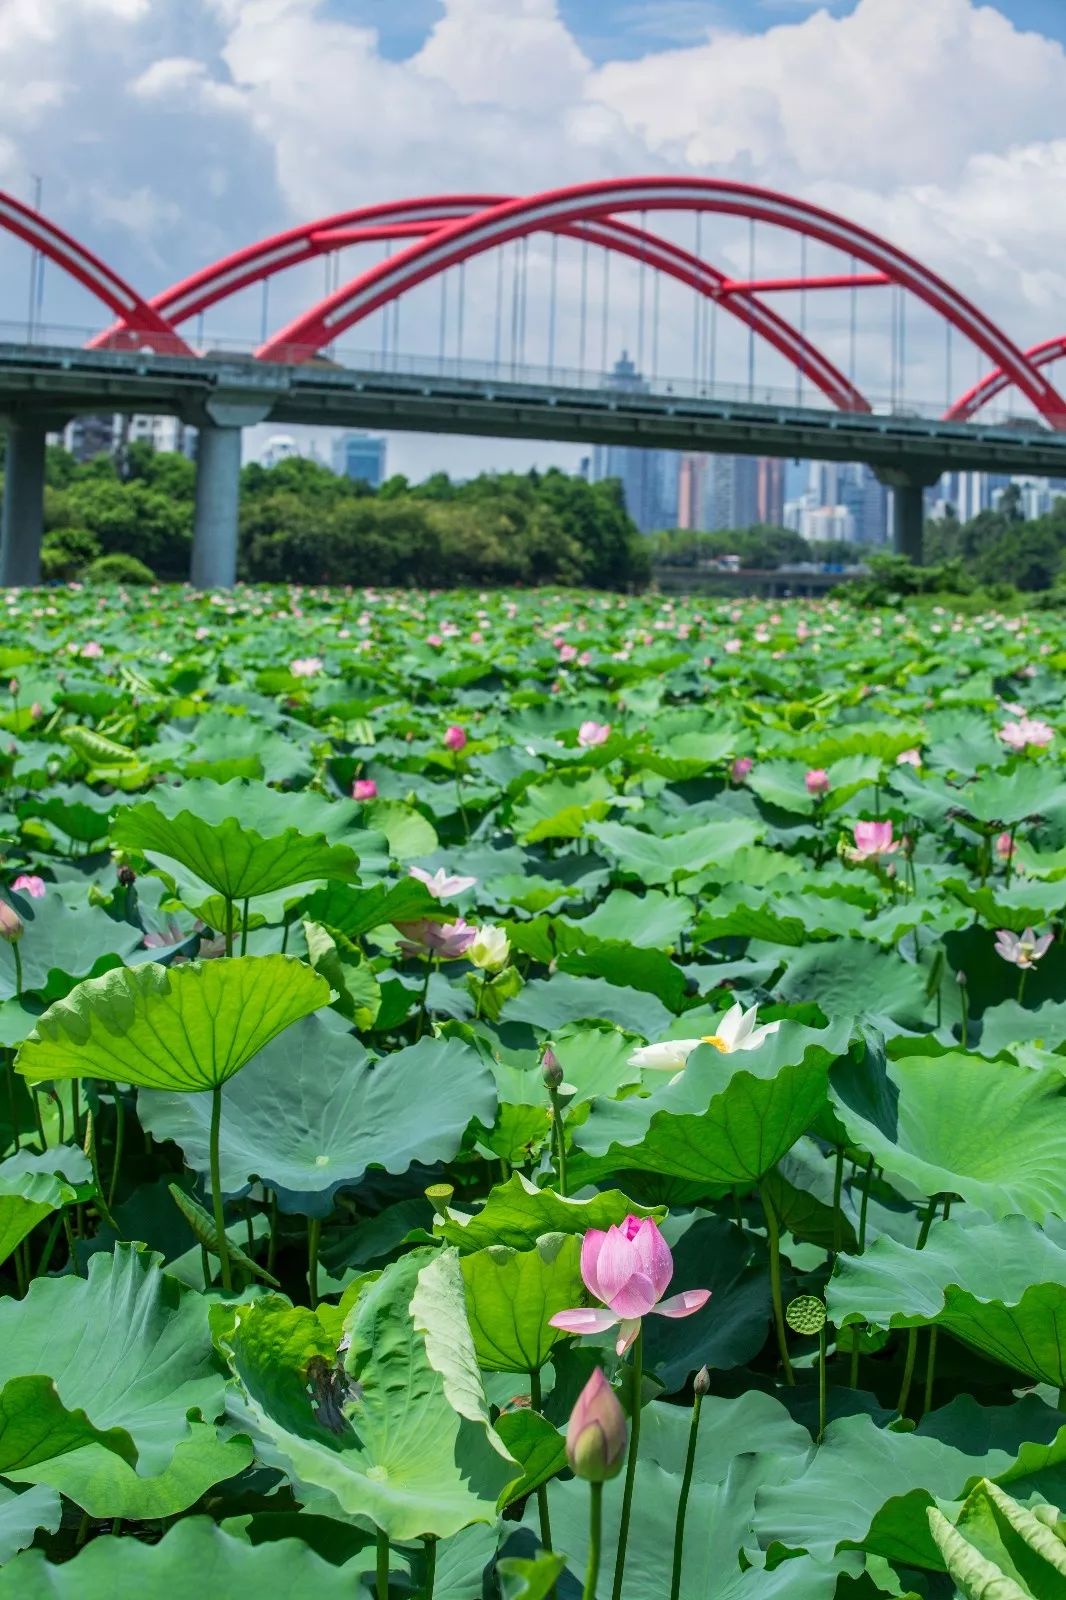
(815, 348)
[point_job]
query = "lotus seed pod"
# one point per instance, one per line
(806, 1314)
(440, 1195)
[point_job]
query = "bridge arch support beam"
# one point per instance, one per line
(908, 484)
(220, 432)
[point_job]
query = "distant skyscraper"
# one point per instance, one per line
(649, 478)
(770, 491)
(731, 493)
(86, 437)
(360, 456)
(691, 480)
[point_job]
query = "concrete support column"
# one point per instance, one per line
(218, 485)
(908, 521)
(908, 483)
(23, 514)
(218, 478)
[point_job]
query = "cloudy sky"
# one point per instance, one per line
(167, 132)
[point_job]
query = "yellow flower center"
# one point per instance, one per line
(717, 1040)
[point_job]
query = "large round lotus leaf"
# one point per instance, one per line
(242, 839)
(187, 1027)
(744, 1446)
(851, 977)
(195, 1558)
(998, 1286)
(990, 1131)
(414, 1455)
(62, 944)
(511, 1294)
(21, 1514)
(871, 1486)
(727, 1119)
(661, 860)
(550, 1003)
(314, 1112)
(109, 1388)
(516, 1214)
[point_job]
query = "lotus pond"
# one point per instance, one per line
(530, 1094)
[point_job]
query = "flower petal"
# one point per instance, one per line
(584, 1319)
(626, 1335)
(635, 1298)
(654, 1255)
(683, 1304)
(591, 1245)
(615, 1264)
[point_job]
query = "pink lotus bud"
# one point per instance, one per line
(364, 789)
(550, 1070)
(455, 737)
(13, 686)
(11, 927)
(596, 1432)
(817, 781)
(740, 768)
(1004, 846)
(36, 710)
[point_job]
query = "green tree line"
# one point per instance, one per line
(301, 522)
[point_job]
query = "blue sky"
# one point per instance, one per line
(614, 29)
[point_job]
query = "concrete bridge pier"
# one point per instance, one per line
(908, 484)
(220, 424)
(22, 520)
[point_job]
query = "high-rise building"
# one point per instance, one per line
(770, 491)
(731, 493)
(88, 437)
(691, 482)
(649, 478)
(361, 457)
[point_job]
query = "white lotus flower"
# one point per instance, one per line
(442, 885)
(737, 1030)
(490, 949)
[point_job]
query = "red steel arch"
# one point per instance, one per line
(455, 242)
(142, 325)
(427, 215)
(993, 383)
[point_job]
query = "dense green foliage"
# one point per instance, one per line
(302, 523)
(364, 956)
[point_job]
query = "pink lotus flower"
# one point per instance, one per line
(817, 781)
(629, 1268)
(593, 733)
(596, 1432)
(909, 758)
(441, 885)
(872, 840)
(92, 649)
(1004, 846)
(567, 652)
(448, 940)
(29, 883)
(1025, 732)
(305, 667)
(435, 640)
(740, 768)
(1022, 950)
(364, 789)
(455, 737)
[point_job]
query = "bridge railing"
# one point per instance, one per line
(54, 338)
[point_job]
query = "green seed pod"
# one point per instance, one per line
(806, 1314)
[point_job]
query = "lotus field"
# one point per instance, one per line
(525, 1095)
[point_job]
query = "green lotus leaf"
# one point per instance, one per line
(560, 807)
(355, 911)
(194, 1558)
(744, 1448)
(536, 1445)
(1023, 905)
(664, 860)
(1000, 799)
(31, 1189)
(550, 1003)
(926, 1121)
(1000, 1287)
(652, 921)
(407, 1459)
(75, 809)
(727, 1119)
(22, 1512)
(710, 1253)
(189, 1027)
(998, 1547)
(533, 1578)
(347, 971)
(687, 755)
(409, 833)
(851, 977)
(517, 1213)
(510, 1295)
(313, 1112)
(61, 945)
(127, 1430)
(242, 839)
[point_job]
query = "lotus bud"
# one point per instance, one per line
(11, 927)
(596, 1433)
(13, 687)
(126, 876)
(701, 1384)
(550, 1070)
(960, 979)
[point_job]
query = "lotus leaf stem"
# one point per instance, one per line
(382, 1564)
(773, 1235)
(314, 1235)
(637, 1376)
(682, 1503)
(536, 1400)
(592, 1571)
(216, 1189)
(244, 926)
